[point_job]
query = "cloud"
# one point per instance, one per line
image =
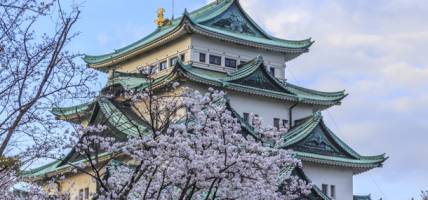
(376, 51)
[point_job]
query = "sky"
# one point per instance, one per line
(374, 49)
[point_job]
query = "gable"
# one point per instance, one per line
(99, 116)
(234, 20)
(259, 79)
(320, 142)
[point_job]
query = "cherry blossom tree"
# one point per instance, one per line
(36, 72)
(187, 145)
(424, 195)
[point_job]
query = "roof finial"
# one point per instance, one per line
(186, 13)
(161, 21)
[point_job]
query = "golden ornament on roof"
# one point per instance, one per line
(161, 21)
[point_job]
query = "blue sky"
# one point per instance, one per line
(375, 49)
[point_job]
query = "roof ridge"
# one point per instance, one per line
(301, 131)
(227, 82)
(304, 129)
(159, 34)
(225, 4)
(130, 127)
(29, 172)
(337, 93)
(249, 66)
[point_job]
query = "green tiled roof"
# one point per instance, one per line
(130, 126)
(268, 41)
(121, 121)
(53, 168)
(117, 119)
(42, 170)
(298, 133)
(74, 113)
(305, 128)
(127, 80)
(283, 90)
(108, 108)
(339, 161)
(195, 21)
(290, 92)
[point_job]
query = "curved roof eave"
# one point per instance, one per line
(303, 130)
(251, 90)
(74, 114)
(187, 71)
(186, 23)
(338, 161)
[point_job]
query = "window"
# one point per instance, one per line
(215, 60)
(173, 61)
(276, 123)
(153, 69)
(81, 194)
(202, 57)
(324, 189)
(162, 65)
(247, 117)
(230, 63)
(256, 116)
(87, 193)
(284, 123)
(272, 71)
(333, 191)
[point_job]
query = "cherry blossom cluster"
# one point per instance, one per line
(202, 153)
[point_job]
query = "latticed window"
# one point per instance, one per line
(173, 61)
(162, 65)
(81, 194)
(215, 60)
(284, 123)
(272, 71)
(153, 69)
(202, 57)
(247, 117)
(333, 191)
(84, 194)
(324, 189)
(276, 123)
(228, 62)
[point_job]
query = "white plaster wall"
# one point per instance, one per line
(267, 108)
(239, 52)
(157, 55)
(342, 178)
(192, 45)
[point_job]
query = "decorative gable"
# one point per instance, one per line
(234, 20)
(320, 142)
(259, 79)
